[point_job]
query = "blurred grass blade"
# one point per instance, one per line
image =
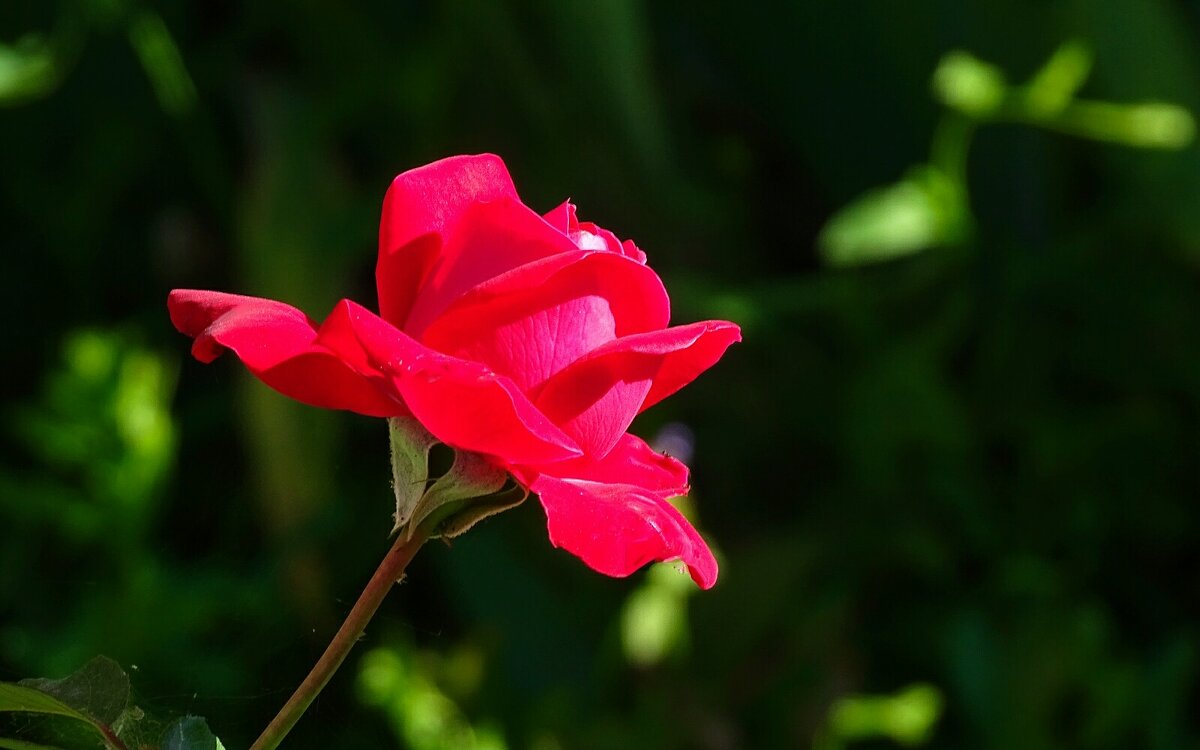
(163, 63)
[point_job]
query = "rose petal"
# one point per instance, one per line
(530, 324)
(422, 202)
(284, 349)
(617, 528)
(595, 399)
(464, 404)
(631, 461)
(487, 240)
(588, 236)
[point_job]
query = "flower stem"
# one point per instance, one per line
(389, 571)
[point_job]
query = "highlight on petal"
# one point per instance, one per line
(617, 528)
(464, 404)
(426, 201)
(536, 320)
(596, 398)
(322, 367)
(588, 236)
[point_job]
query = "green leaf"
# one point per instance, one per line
(190, 733)
(98, 689)
(30, 700)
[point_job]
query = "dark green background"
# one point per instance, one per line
(976, 467)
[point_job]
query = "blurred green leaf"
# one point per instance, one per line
(969, 85)
(926, 209)
(1148, 125)
(163, 63)
(908, 717)
(1052, 88)
(27, 69)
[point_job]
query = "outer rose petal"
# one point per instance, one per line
(464, 404)
(618, 528)
(420, 204)
(284, 349)
(631, 461)
(596, 398)
(529, 325)
(486, 240)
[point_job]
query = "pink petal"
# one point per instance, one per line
(617, 528)
(631, 461)
(464, 404)
(535, 320)
(487, 240)
(595, 399)
(419, 207)
(284, 349)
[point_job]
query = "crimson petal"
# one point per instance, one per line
(617, 528)
(419, 206)
(486, 240)
(596, 398)
(323, 367)
(535, 320)
(631, 461)
(464, 404)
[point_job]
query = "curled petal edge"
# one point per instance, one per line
(615, 529)
(320, 366)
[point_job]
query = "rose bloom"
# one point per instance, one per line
(533, 340)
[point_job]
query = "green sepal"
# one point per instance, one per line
(410, 445)
(470, 477)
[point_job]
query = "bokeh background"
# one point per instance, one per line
(951, 473)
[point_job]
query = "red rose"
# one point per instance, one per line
(534, 340)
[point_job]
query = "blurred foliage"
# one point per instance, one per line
(969, 466)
